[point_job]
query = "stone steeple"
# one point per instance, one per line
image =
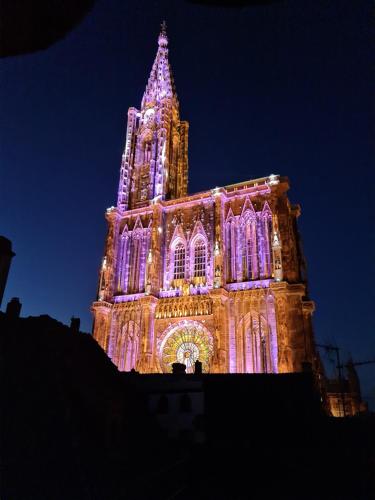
(160, 84)
(155, 164)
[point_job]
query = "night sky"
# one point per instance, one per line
(285, 88)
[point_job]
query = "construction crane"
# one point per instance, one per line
(356, 363)
(336, 350)
(359, 363)
(340, 366)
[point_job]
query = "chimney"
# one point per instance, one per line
(198, 367)
(13, 310)
(6, 256)
(75, 323)
(178, 368)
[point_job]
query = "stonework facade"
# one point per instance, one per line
(216, 276)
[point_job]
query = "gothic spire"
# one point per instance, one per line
(160, 84)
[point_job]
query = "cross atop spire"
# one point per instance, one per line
(163, 39)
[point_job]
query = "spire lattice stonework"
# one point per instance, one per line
(160, 83)
(155, 163)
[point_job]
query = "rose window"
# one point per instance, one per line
(186, 345)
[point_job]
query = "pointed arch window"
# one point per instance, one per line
(229, 251)
(250, 250)
(249, 253)
(127, 347)
(232, 250)
(179, 261)
(268, 243)
(200, 259)
(264, 250)
(135, 263)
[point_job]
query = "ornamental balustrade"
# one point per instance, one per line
(183, 307)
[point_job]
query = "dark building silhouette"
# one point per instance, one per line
(6, 255)
(75, 427)
(68, 428)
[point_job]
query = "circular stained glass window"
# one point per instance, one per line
(187, 344)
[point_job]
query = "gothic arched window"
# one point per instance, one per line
(200, 259)
(264, 249)
(135, 263)
(250, 251)
(232, 251)
(179, 262)
(268, 242)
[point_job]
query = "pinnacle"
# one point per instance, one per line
(160, 83)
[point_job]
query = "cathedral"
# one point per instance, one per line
(217, 276)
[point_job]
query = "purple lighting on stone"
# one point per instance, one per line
(185, 276)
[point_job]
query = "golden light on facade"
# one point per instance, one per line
(186, 345)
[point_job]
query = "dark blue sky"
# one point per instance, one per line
(286, 88)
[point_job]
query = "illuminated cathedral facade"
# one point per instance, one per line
(216, 276)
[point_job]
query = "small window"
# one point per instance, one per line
(179, 262)
(249, 257)
(200, 259)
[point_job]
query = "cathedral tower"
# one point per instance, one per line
(216, 276)
(154, 163)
